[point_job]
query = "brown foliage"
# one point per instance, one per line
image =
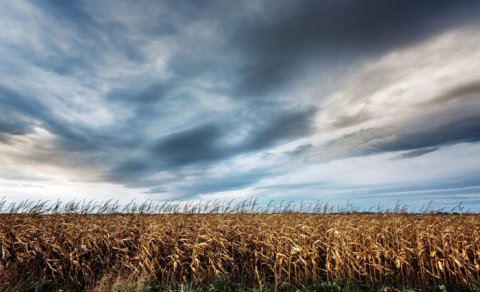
(255, 250)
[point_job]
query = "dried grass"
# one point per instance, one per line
(99, 251)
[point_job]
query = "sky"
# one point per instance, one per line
(333, 100)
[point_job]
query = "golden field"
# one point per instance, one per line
(263, 251)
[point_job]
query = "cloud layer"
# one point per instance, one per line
(277, 99)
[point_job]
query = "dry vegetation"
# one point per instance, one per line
(269, 251)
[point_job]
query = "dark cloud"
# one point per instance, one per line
(283, 127)
(203, 143)
(406, 137)
(291, 35)
(418, 152)
(206, 144)
(13, 124)
(21, 106)
(462, 130)
(130, 171)
(191, 146)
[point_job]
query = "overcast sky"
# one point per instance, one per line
(372, 101)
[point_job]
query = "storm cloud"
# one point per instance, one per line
(201, 99)
(288, 37)
(210, 144)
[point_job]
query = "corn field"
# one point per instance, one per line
(274, 251)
